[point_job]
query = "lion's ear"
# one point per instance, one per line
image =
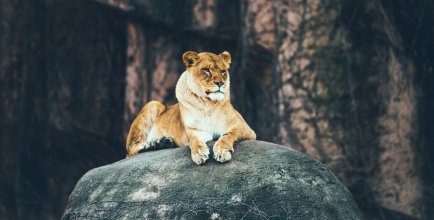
(190, 58)
(226, 57)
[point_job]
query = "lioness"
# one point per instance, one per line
(204, 112)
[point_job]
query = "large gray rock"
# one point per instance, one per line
(262, 181)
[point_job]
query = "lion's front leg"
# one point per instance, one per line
(224, 147)
(197, 142)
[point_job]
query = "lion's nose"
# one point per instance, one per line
(219, 83)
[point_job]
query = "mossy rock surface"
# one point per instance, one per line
(262, 181)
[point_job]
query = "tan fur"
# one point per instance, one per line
(201, 114)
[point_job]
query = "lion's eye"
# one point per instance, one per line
(223, 72)
(206, 70)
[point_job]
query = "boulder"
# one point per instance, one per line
(262, 181)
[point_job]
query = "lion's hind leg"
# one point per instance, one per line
(159, 144)
(142, 128)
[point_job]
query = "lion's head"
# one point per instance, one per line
(208, 74)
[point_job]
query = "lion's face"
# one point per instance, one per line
(209, 74)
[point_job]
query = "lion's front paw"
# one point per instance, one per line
(222, 153)
(200, 154)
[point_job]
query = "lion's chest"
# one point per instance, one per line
(209, 122)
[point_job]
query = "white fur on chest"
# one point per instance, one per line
(208, 126)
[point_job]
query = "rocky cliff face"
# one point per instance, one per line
(262, 181)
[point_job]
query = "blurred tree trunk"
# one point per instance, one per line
(20, 59)
(60, 82)
(137, 78)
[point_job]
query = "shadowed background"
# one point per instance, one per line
(348, 82)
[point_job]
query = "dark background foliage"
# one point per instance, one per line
(348, 82)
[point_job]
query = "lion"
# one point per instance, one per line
(203, 113)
